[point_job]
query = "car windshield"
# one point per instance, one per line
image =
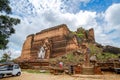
(16, 66)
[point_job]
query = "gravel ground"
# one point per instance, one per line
(40, 76)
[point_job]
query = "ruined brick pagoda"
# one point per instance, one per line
(50, 43)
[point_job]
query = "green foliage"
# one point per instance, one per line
(80, 35)
(6, 23)
(106, 56)
(5, 57)
(3, 41)
(80, 32)
(118, 55)
(4, 6)
(73, 32)
(94, 49)
(70, 57)
(36, 71)
(102, 56)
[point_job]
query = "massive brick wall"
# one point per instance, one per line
(57, 42)
(52, 32)
(54, 41)
(26, 50)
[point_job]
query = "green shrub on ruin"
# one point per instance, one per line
(94, 49)
(105, 56)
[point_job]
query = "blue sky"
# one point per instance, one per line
(98, 5)
(36, 15)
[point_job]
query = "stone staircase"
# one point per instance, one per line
(88, 70)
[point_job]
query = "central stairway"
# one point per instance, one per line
(88, 70)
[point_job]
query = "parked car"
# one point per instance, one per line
(9, 69)
(117, 70)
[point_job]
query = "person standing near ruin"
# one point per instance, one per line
(61, 64)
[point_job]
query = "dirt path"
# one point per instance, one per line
(35, 76)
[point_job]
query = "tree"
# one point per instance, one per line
(5, 57)
(6, 23)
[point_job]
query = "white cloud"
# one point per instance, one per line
(12, 52)
(40, 5)
(63, 5)
(36, 15)
(113, 15)
(112, 27)
(73, 6)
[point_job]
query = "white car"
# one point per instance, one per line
(117, 70)
(10, 69)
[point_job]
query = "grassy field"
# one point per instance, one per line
(36, 71)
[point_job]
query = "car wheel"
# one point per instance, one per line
(1, 76)
(19, 73)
